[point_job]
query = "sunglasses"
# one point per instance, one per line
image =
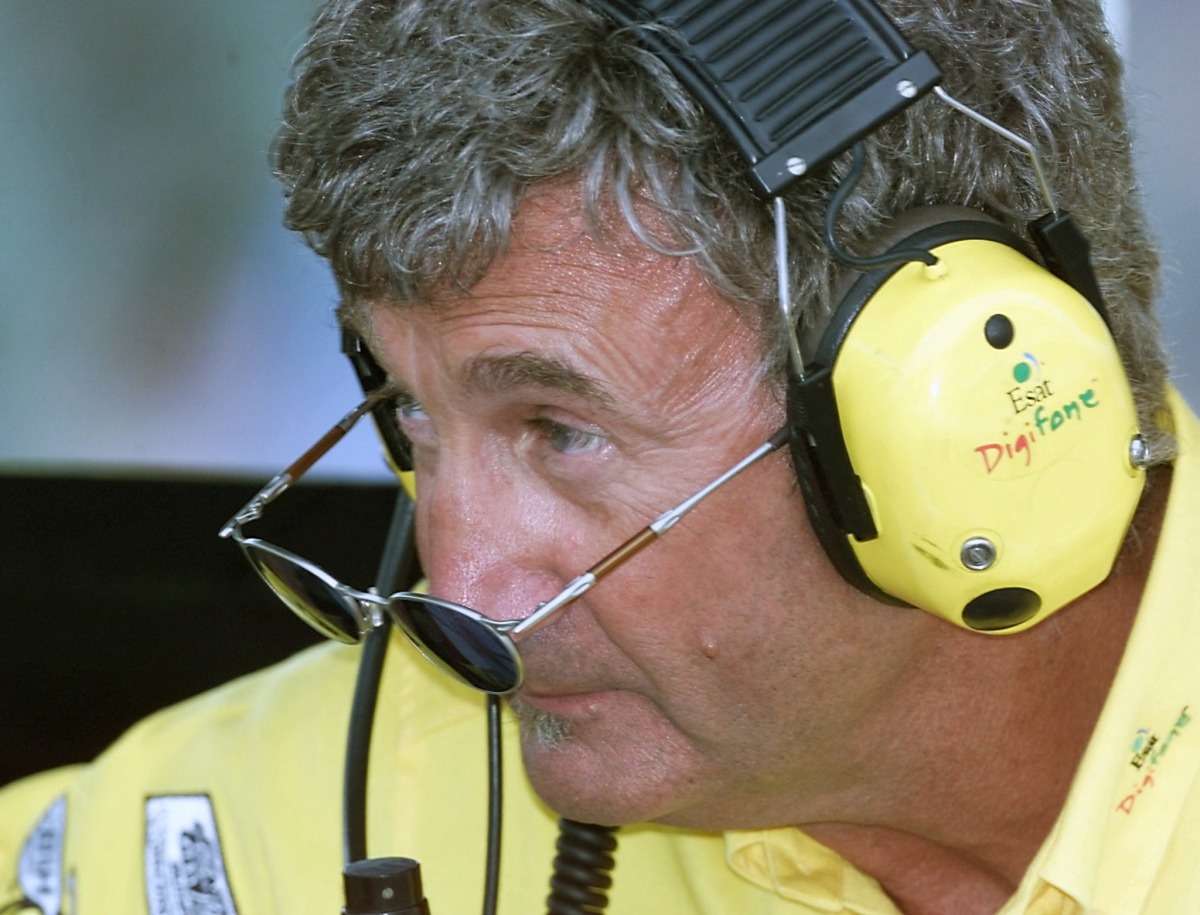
(471, 647)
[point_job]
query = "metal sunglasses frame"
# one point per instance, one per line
(356, 613)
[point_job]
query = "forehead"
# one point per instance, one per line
(569, 295)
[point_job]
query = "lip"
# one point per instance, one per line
(566, 702)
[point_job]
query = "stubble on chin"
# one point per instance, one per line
(546, 730)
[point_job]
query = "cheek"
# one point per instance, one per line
(741, 608)
(715, 610)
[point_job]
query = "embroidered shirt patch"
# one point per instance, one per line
(40, 869)
(185, 872)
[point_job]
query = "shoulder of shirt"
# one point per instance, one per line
(305, 697)
(252, 746)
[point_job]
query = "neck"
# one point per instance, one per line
(953, 828)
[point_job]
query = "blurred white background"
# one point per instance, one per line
(155, 315)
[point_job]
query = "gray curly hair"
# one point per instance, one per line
(413, 128)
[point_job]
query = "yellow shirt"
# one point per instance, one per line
(231, 802)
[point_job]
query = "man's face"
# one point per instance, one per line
(579, 390)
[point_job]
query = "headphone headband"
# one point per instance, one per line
(791, 85)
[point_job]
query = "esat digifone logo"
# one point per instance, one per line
(1033, 403)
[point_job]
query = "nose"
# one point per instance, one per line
(487, 535)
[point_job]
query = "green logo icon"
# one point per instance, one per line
(1023, 371)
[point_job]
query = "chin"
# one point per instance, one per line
(586, 775)
(571, 779)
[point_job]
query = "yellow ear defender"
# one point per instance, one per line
(968, 440)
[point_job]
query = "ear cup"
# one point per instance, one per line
(963, 434)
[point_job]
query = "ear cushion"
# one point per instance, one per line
(963, 431)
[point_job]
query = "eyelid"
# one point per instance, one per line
(397, 396)
(558, 432)
(408, 408)
(403, 406)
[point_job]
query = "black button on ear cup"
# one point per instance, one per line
(1002, 608)
(998, 331)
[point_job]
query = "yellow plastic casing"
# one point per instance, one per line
(408, 480)
(960, 443)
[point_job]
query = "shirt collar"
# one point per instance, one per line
(801, 869)
(1144, 754)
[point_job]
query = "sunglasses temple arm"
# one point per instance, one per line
(647, 535)
(669, 518)
(294, 471)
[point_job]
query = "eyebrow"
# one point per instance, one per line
(495, 374)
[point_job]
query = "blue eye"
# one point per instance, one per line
(569, 440)
(408, 410)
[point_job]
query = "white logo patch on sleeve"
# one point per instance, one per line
(40, 868)
(185, 873)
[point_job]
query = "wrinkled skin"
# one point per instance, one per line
(726, 676)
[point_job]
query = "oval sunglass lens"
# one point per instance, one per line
(307, 595)
(465, 647)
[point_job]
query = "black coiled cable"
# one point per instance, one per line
(581, 880)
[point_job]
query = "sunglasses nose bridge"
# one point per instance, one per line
(372, 606)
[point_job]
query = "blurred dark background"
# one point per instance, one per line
(119, 598)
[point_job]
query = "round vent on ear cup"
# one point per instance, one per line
(1001, 609)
